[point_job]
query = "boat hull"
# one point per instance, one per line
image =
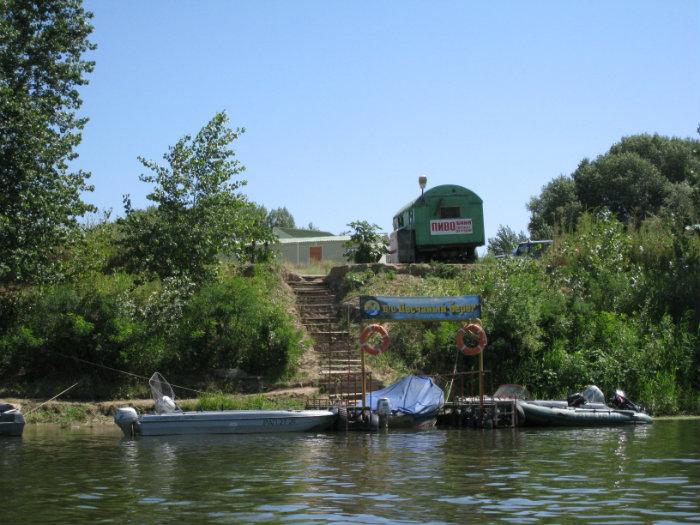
(538, 415)
(234, 422)
(402, 421)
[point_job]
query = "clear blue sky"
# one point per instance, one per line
(347, 103)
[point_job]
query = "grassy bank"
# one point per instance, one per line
(69, 413)
(236, 332)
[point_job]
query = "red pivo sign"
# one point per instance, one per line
(451, 227)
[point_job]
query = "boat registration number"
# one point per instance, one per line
(277, 421)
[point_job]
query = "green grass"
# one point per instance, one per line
(62, 415)
(220, 401)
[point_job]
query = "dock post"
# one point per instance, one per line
(364, 387)
(481, 382)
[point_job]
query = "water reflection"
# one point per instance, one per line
(605, 475)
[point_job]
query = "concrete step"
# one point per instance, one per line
(348, 387)
(340, 372)
(318, 301)
(327, 337)
(318, 319)
(311, 290)
(326, 328)
(315, 307)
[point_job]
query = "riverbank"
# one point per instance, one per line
(68, 413)
(74, 413)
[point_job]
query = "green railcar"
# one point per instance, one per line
(446, 223)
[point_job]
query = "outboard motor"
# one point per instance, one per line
(619, 400)
(127, 419)
(384, 412)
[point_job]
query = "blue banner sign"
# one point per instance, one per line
(385, 308)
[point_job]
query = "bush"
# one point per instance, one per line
(169, 325)
(234, 324)
(605, 306)
(60, 327)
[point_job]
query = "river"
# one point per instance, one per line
(596, 475)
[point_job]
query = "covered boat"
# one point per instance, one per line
(11, 420)
(414, 402)
(169, 419)
(585, 409)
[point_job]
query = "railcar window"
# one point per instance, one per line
(451, 212)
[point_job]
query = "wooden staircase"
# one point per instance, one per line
(337, 350)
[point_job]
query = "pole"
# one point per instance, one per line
(364, 388)
(481, 380)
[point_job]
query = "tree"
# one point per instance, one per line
(198, 214)
(366, 244)
(505, 241)
(280, 218)
(640, 176)
(556, 207)
(625, 183)
(41, 67)
(312, 227)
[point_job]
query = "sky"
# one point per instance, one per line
(346, 104)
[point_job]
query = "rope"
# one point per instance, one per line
(121, 371)
(54, 397)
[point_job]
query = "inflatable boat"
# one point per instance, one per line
(587, 408)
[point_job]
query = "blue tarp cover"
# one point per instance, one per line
(416, 395)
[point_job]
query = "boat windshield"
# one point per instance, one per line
(593, 394)
(512, 392)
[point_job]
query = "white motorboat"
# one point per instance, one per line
(170, 420)
(222, 422)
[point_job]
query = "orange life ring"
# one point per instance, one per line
(365, 335)
(475, 329)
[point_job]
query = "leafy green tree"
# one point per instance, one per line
(312, 227)
(280, 218)
(556, 207)
(505, 241)
(198, 214)
(41, 68)
(366, 244)
(625, 183)
(640, 176)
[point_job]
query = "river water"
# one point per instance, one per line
(639, 474)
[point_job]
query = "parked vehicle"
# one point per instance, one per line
(534, 249)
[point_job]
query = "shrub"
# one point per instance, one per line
(59, 327)
(234, 324)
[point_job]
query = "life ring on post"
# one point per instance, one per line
(478, 331)
(367, 333)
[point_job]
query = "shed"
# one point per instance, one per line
(304, 247)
